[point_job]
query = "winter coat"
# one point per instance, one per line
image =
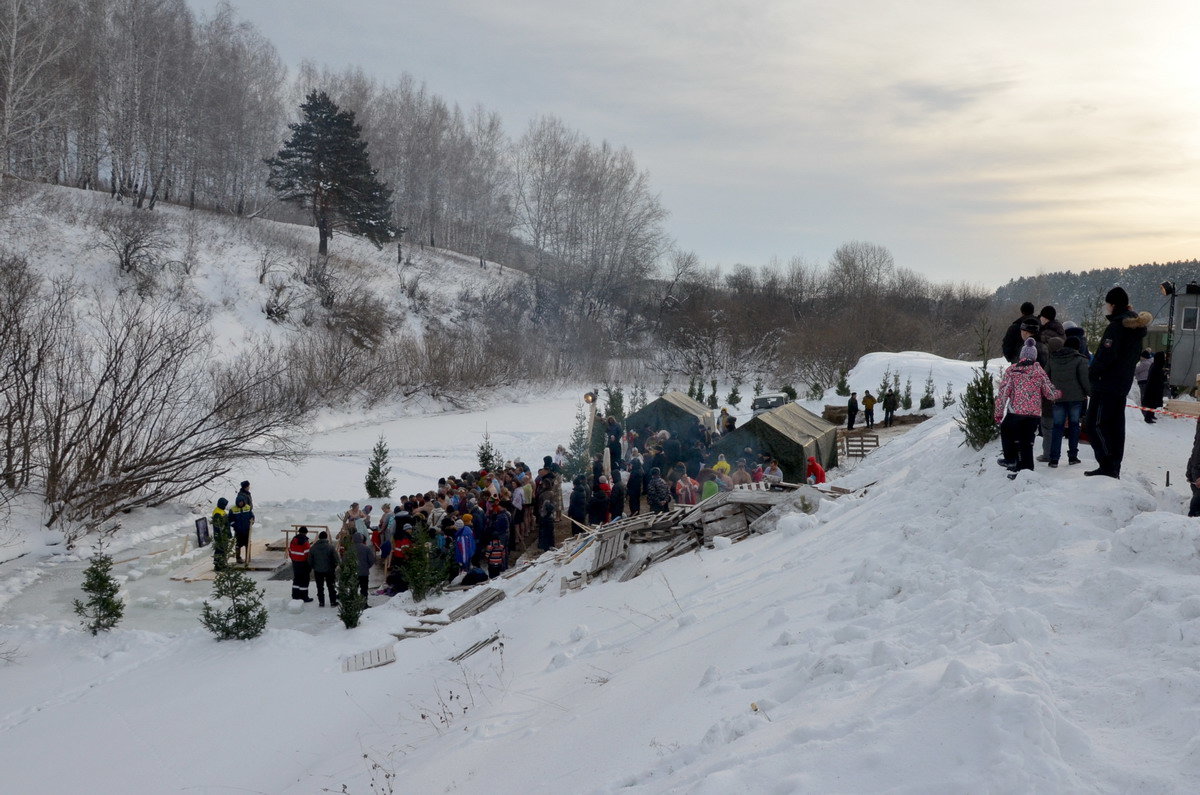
(597, 510)
(244, 494)
(464, 547)
(1111, 372)
(299, 549)
(616, 500)
(220, 522)
(868, 401)
(1193, 464)
(852, 406)
(577, 508)
(323, 556)
(658, 494)
(687, 491)
(891, 401)
(814, 470)
(366, 555)
(1022, 388)
(709, 489)
(1011, 346)
(241, 517)
(1156, 382)
(1068, 372)
(1052, 335)
(501, 522)
(1142, 371)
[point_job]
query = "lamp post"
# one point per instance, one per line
(1168, 289)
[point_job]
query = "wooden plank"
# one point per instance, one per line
(477, 604)
(532, 583)
(372, 658)
(475, 647)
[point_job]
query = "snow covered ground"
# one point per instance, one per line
(945, 630)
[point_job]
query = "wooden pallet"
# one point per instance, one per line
(857, 445)
(369, 659)
(477, 604)
(681, 545)
(611, 547)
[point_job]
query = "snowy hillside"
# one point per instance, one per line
(940, 630)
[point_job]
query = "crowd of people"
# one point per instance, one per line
(1056, 387)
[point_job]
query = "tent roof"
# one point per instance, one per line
(794, 421)
(672, 402)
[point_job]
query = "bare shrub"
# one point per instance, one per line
(136, 238)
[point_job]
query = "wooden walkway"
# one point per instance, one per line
(261, 559)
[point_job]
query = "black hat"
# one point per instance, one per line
(245, 484)
(547, 460)
(301, 530)
(656, 471)
(1027, 308)
(222, 503)
(322, 534)
(1073, 343)
(1048, 312)
(1118, 298)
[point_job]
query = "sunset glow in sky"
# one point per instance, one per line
(978, 141)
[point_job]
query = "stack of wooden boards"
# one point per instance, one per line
(432, 622)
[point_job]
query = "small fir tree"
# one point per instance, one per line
(896, 382)
(815, 391)
(948, 398)
(578, 455)
(378, 483)
(977, 418)
(691, 390)
(245, 617)
(614, 402)
(734, 397)
(713, 401)
(103, 609)
(665, 387)
(758, 386)
(928, 399)
(421, 568)
(906, 400)
(489, 457)
(351, 602)
(885, 383)
(843, 385)
(788, 390)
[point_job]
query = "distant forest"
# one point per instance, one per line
(1077, 296)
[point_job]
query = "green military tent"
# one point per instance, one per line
(674, 412)
(789, 434)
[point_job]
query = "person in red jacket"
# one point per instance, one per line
(298, 554)
(815, 472)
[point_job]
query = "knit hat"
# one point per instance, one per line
(1030, 326)
(1118, 298)
(1069, 324)
(322, 534)
(1048, 312)
(458, 524)
(222, 503)
(1074, 344)
(301, 530)
(1029, 351)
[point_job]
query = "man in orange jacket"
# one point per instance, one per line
(299, 553)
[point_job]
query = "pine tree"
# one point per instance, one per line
(734, 397)
(815, 391)
(843, 386)
(487, 454)
(378, 483)
(421, 568)
(885, 383)
(977, 421)
(325, 167)
(351, 602)
(103, 609)
(691, 392)
(788, 390)
(578, 456)
(906, 400)
(712, 396)
(244, 617)
(928, 399)
(614, 402)
(948, 399)
(665, 387)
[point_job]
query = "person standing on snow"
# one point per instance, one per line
(1011, 345)
(851, 410)
(1021, 390)
(244, 494)
(324, 561)
(1111, 376)
(365, 555)
(868, 405)
(1069, 373)
(241, 517)
(658, 493)
(299, 551)
(890, 403)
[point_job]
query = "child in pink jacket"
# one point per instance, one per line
(1022, 388)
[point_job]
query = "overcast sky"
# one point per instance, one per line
(977, 139)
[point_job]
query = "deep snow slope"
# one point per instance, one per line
(946, 630)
